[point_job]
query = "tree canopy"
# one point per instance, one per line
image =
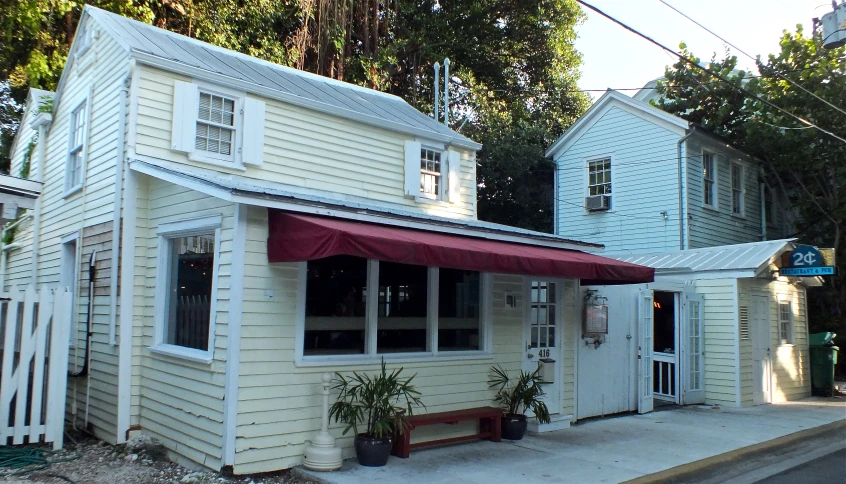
(806, 166)
(514, 66)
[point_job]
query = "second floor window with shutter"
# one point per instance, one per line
(431, 184)
(215, 124)
(76, 150)
(599, 177)
(709, 179)
(737, 190)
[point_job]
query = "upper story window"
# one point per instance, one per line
(432, 172)
(709, 179)
(218, 126)
(215, 124)
(769, 206)
(76, 148)
(431, 185)
(599, 177)
(737, 189)
(785, 320)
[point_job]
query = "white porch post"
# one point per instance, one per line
(321, 454)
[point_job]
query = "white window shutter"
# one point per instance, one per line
(412, 169)
(184, 128)
(252, 148)
(454, 183)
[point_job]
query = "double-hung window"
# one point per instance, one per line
(709, 179)
(769, 206)
(431, 181)
(186, 287)
(215, 125)
(74, 170)
(359, 308)
(785, 322)
(737, 189)
(599, 177)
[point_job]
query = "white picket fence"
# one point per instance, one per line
(34, 330)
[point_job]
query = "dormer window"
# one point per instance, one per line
(215, 124)
(430, 174)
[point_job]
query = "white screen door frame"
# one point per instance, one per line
(645, 398)
(692, 351)
(542, 328)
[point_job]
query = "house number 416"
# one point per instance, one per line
(543, 353)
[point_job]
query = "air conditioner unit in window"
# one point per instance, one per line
(597, 203)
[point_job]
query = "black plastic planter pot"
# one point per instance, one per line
(514, 426)
(372, 452)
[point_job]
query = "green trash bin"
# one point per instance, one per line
(823, 360)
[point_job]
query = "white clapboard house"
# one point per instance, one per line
(718, 325)
(255, 227)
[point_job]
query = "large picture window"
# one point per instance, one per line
(410, 310)
(336, 306)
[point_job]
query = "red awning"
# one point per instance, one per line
(295, 238)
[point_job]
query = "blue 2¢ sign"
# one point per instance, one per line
(806, 256)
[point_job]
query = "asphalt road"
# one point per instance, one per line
(829, 469)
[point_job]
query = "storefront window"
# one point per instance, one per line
(458, 310)
(336, 294)
(403, 299)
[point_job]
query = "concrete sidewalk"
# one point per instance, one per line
(606, 450)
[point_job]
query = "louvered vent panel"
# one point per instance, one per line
(744, 322)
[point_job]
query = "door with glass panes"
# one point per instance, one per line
(542, 337)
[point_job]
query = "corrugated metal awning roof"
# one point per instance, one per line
(751, 257)
(291, 85)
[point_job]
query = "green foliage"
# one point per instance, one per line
(806, 167)
(9, 235)
(382, 402)
(27, 157)
(519, 395)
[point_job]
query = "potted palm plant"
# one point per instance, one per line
(515, 396)
(374, 407)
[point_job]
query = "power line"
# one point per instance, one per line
(778, 74)
(713, 74)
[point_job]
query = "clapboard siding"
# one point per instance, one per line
(26, 135)
(179, 401)
(87, 213)
(279, 403)
(644, 181)
(791, 378)
(307, 151)
(720, 339)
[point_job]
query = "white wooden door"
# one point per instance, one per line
(692, 351)
(761, 357)
(645, 399)
(542, 336)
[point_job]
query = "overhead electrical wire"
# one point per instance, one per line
(772, 70)
(692, 63)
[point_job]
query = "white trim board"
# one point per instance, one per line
(233, 333)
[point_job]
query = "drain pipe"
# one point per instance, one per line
(682, 218)
(118, 204)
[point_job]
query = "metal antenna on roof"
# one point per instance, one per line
(446, 92)
(437, 88)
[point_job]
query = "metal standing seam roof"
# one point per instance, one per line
(317, 92)
(752, 256)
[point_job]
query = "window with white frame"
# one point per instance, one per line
(215, 124)
(187, 284)
(76, 148)
(709, 179)
(599, 177)
(431, 181)
(737, 189)
(412, 309)
(785, 322)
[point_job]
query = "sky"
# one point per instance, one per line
(616, 58)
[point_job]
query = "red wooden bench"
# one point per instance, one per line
(489, 428)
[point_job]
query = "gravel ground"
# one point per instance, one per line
(95, 462)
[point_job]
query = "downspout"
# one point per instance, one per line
(682, 216)
(36, 217)
(116, 217)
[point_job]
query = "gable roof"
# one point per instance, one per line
(749, 260)
(612, 97)
(177, 53)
